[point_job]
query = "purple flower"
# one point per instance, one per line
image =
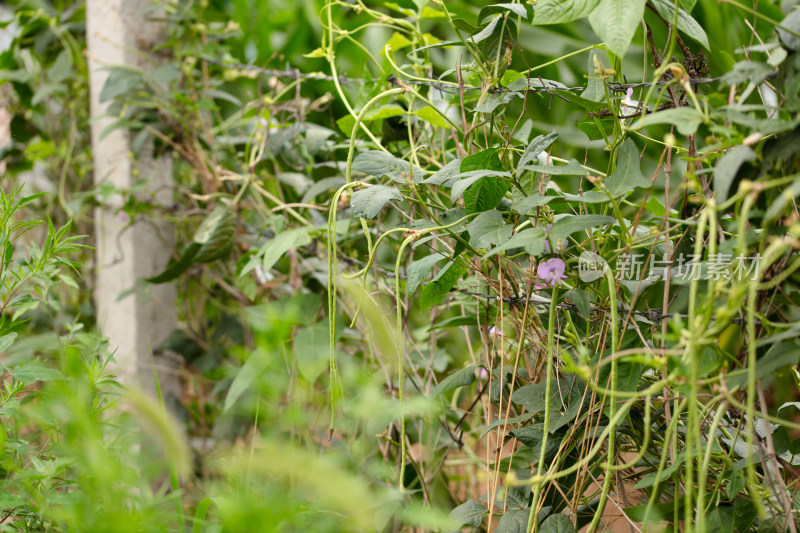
(263, 122)
(552, 270)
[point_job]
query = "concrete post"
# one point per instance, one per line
(135, 316)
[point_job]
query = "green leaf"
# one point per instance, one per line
(615, 21)
(367, 203)
(597, 128)
(595, 88)
(282, 243)
(252, 369)
(527, 205)
(465, 180)
(176, 268)
(557, 523)
(532, 397)
(435, 291)
(581, 300)
(494, 100)
(7, 340)
(517, 9)
(573, 168)
(458, 379)
(485, 194)
(488, 229)
(445, 174)
(514, 521)
(531, 240)
(216, 235)
(419, 270)
(726, 168)
(685, 119)
(560, 11)
(628, 174)
(564, 227)
(35, 370)
(686, 23)
(536, 147)
(120, 81)
(469, 513)
(428, 114)
(377, 163)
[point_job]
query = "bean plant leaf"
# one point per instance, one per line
(447, 173)
(367, 203)
(628, 174)
(470, 513)
(726, 168)
(564, 227)
(685, 119)
(458, 379)
(514, 521)
(595, 91)
(377, 163)
(312, 349)
(527, 205)
(534, 148)
(485, 192)
(573, 168)
(531, 240)
(273, 250)
(615, 21)
(686, 23)
(560, 11)
(488, 229)
(216, 235)
(435, 291)
(557, 523)
(517, 9)
(419, 270)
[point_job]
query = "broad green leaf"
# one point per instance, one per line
(597, 128)
(686, 23)
(615, 21)
(216, 235)
(517, 9)
(685, 119)
(527, 205)
(560, 11)
(581, 300)
(484, 193)
(35, 370)
(628, 174)
(573, 168)
(465, 180)
(419, 270)
(447, 173)
(469, 513)
(777, 206)
(534, 148)
(557, 523)
(595, 88)
(487, 31)
(367, 203)
(531, 240)
(531, 436)
(494, 100)
(532, 397)
(377, 163)
(247, 374)
(488, 229)
(514, 521)
(120, 81)
(282, 243)
(564, 227)
(459, 378)
(726, 168)
(7, 340)
(497, 422)
(435, 291)
(176, 268)
(428, 114)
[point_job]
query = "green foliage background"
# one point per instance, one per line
(371, 200)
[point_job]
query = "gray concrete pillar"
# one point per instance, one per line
(135, 316)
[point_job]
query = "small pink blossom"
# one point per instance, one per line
(494, 332)
(552, 270)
